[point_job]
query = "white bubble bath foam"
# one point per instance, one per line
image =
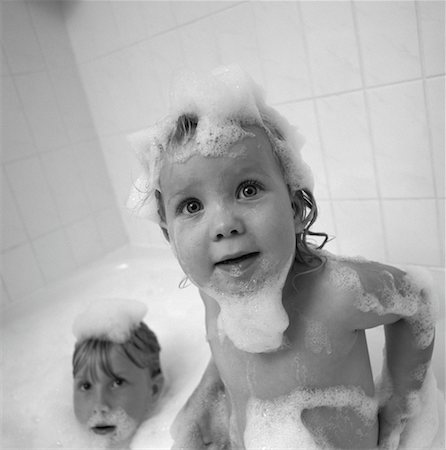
(37, 346)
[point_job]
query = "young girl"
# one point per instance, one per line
(117, 377)
(285, 320)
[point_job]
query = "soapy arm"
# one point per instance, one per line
(202, 423)
(403, 376)
(392, 298)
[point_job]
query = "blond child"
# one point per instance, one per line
(117, 378)
(285, 320)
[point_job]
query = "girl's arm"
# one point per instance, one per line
(403, 377)
(404, 306)
(202, 423)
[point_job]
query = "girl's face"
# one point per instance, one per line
(113, 406)
(229, 218)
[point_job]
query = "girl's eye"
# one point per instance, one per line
(118, 382)
(85, 386)
(190, 207)
(249, 189)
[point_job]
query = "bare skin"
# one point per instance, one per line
(231, 220)
(340, 358)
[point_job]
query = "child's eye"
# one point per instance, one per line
(249, 189)
(84, 386)
(190, 206)
(118, 382)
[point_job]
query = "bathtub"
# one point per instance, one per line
(38, 343)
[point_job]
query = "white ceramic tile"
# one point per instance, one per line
(66, 185)
(16, 138)
(157, 16)
(20, 271)
(4, 296)
(92, 29)
(4, 65)
(359, 228)
(441, 227)
(436, 107)
(332, 46)
(54, 255)
(19, 40)
(302, 115)
(73, 104)
(347, 147)
(167, 58)
(282, 54)
(325, 224)
(186, 11)
(93, 172)
(111, 229)
(400, 134)
(412, 232)
(129, 19)
(12, 231)
(388, 39)
(122, 164)
(432, 23)
(147, 97)
(235, 32)
(34, 200)
(51, 33)
(199, 45)
(85, 241)
(111, 91)
(39, 102)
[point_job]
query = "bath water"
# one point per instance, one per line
(37, 345)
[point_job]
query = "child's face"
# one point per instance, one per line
(114, 407)
(229, 218)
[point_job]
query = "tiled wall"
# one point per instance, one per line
(363, 80)
(58, 209)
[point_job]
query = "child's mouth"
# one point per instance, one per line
(238, 259)
(103, 429)
(238, 266)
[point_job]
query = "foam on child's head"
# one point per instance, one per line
(110, 319)
(223, 102)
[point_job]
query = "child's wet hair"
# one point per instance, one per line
(303, 201)
(142, 348)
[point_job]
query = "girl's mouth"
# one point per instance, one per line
(240, 266)
(238, 259)
(103, 429)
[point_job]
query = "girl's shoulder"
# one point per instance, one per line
(371, 293)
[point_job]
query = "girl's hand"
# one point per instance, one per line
(202, 424)
(393, 417)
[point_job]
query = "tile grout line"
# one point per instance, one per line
(368, 118)
(317, 117)
(428, 116)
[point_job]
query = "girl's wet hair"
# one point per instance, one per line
(142, 348)
(303, 201)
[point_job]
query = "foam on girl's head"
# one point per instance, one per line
(223, 103)
(110, 319)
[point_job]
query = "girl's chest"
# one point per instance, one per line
(314, 359)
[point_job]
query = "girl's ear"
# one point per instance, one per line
(162, 214)
(302, 214)
(157, 385)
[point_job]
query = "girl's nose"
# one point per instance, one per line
(226, 223)
(102, 403)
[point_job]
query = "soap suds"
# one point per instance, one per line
(111, 319)
(277, 424)
(222, 101)
(253, 316)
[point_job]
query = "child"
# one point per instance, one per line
(285, 320)
(116, 370)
